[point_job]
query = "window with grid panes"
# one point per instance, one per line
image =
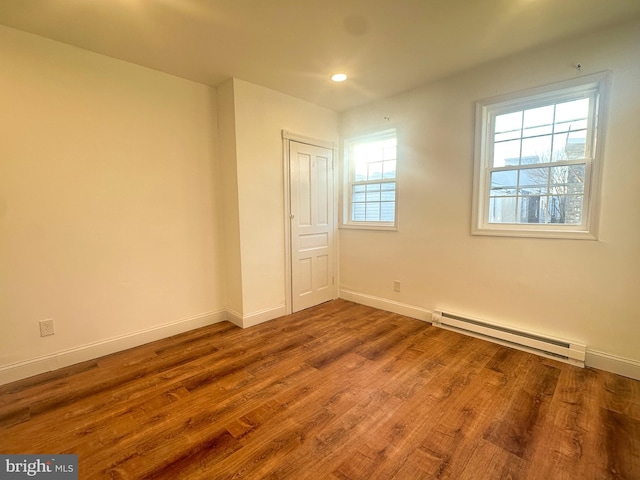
(370, 190)
(538, 161)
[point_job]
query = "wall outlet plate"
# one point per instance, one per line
(46, 327)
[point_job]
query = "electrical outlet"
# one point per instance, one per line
(396, 285)
(46, 327)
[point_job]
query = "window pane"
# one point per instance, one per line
(536, 150)
(532, 190)
(536, 117)
(388, 193)
(573, 209)
(360, 170)
(358, 194)
(537, 131)
(565, 209)
(375, 171)
(559, 178)
(387, 211)
(533, 162)
(575, 178)
(570, 126)
(508, 122)
(504, 178)
(570, 145)
(373, 212)
(532, 209)
(503, 192)
(367, 152)
(506, 153)
(373, 193)
(556, 209)
(502, 210)
(574, 110)
(501, 137)
(389, 169)
(567, 179)
(534, 176)
(358, 212)
(373, 159)
(373, 202)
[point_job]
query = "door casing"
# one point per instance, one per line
(288, 137)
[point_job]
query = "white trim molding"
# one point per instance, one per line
(234, 317)
(287, 138)
(16, 371)
(262, 316)
(498, 178)
(91, 351)
(64, 358)
(255, 318)
(626, 367)
(350, 157)
(294, 137)
(388, 305)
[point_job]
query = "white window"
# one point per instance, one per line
(538, 161)
(370, 181)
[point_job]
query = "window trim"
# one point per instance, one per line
(348, 175)
(486, 109)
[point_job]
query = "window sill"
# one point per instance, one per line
(537, 233)
(369, 226)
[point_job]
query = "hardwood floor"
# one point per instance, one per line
(339, 391)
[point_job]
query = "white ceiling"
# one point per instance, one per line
(293, 46)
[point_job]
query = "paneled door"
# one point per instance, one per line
(312, 225)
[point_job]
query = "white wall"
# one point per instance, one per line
(231, 214)
(109, 212)
(581, 290)
(115, 205)
(260, 115)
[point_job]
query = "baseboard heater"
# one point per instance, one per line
(557, 349)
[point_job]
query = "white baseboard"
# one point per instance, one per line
(613, 363)
(255, 318)
(17, 371)
(387, 305)
(263, 316)
(234, 317)
(46, 363)
(594, 358)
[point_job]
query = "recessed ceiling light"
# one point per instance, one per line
(339, 77)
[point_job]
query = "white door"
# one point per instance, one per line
(312, 225)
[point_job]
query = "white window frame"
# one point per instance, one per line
(595, 86)
(349, 182)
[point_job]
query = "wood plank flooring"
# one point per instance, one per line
(339, 391)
